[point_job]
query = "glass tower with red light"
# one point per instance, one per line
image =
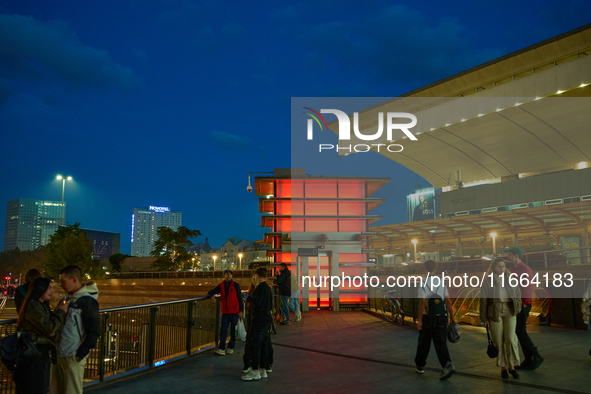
(319, 228)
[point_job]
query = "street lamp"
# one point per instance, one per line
(63, 179)
(494, 236)
(414, 242)
(240, 257)
(214, 257)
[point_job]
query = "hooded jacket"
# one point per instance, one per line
(81, 325)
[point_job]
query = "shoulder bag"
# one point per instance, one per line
(491, 350)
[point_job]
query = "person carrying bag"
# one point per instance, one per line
(38, 328)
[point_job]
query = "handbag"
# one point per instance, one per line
(241, 330)
(491, 350)
(17, 349)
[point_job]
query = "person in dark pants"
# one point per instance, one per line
(232, 310)
(258, 337)
(433, 323)
(532, 358)
(284, 283)
(44, 326)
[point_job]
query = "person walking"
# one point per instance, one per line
(80, 333)
(532, 358)
(22, 290)
(232, 310)
(294, 300)
(433, 323)
(258, 337)
(44, 327)
(284, 283)
(500, 303)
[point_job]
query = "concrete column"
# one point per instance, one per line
(515, 241)
(335, 271)
(459, 252)
(305, 290)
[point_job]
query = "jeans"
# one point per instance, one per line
(258, 342)
(294, 305)
(433, 329)
(529, 350)
(284, 308)
(232, 320)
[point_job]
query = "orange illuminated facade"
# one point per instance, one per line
(319, 227)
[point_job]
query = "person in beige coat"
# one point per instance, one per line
(499, 305)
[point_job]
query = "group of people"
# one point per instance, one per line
(503, 308)
(258, 352)
(63, 337)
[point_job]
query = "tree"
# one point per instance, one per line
(116, 259)
(17, 262)
(170, 248)
(70, 245)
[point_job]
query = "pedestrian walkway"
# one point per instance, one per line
(358, 352)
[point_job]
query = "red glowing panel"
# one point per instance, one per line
(287, 258)
(352, 298)
(283, 188)
(321, 225)
(284, 208)
(352, 208)
(321, 189)
(351, 189)
(353, 258)
(352, 225)
(297, 207)
(321, 208)
(288, 225)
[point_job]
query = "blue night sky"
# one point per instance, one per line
(172, 103)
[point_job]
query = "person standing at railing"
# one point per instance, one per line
(499, 304)
(80, 333)
(44, 326)
(258, 337)
(532, 358)
(232, 310)
(22, 290)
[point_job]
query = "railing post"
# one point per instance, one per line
(103, 325)
(190, 324)
(218, 322)
(152, 342)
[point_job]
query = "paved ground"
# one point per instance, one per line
(357, 352)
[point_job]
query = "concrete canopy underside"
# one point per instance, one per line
(535, 226)
(522, 114)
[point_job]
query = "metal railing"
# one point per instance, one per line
(135, 338)
(177, 274)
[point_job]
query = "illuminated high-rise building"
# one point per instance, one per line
(30, 223)
(144, 225)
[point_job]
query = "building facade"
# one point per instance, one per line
(104, 243)
(144, 225)
(30, 223)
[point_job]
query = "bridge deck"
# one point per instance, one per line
(358, 352)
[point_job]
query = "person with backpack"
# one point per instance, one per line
(232, 310)
(22, 290)
(432, 322)
(80, 333)
(44, 326)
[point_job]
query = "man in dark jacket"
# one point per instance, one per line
(258, 337)
(80, 332)
(232, 310)
(284, 283)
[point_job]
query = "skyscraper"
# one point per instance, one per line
(145, 223)
(30, 223)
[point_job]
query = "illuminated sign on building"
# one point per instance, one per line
(132, 226)
(159, 209)
(421, 206)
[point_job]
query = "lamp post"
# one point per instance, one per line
(494, 236)
(240, 257)
(414, 242)
(214, 257)
(63, 179)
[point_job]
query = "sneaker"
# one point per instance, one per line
(246, 369)
(285, 323)
(229, 351)
(447, 371)
(420, 369)
(297, 318)
(221, 352)
(269, 368)
(263, 373)
(524, 365)
(252, 375)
